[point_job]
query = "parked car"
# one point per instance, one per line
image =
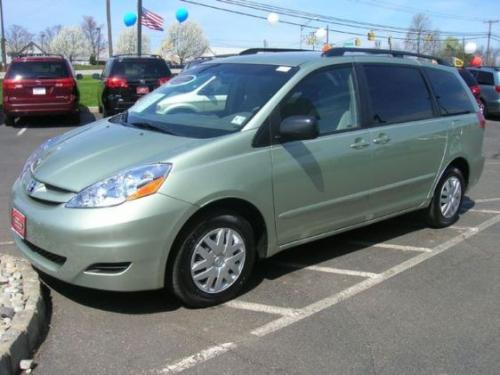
(40, 85)
(473, 86)
(489, 81)
(126, 78)
(301, 147)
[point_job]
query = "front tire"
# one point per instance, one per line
(214, 260)
(447, 200)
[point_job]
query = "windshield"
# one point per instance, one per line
(210, 100)
(37, 70)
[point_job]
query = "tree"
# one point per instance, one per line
(452, 47)
(420, 38)
(94, 36)
(17, 38)
(46, 36)
(70, 42)
(127, 41)
(185, 41)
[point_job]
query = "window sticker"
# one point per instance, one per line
(238, 120)
(283, 69)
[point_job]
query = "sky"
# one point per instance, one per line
(230, 30)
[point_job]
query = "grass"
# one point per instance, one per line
(88, 91)
(88, 67)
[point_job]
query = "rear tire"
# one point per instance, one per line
(219, 246)
(9, 120)
(486, 113)
(448, 196)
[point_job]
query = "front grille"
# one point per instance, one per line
(58, 259)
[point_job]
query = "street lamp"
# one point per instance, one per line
(303, 26)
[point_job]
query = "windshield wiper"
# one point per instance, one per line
(149, 126)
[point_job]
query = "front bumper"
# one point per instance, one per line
(139, 232)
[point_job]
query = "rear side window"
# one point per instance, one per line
(38, 70)
(485, 78)
(397, 94)
(140, 68)
(450, 94)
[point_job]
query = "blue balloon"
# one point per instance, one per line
(181, 14)
(129, 19)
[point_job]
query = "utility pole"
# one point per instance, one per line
(139, 27)
(488, 51)
(110, 37)
(2, 42)
(98, 44)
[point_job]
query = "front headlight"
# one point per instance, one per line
(126, 186)
(38, 152)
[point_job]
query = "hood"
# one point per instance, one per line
(87, 155)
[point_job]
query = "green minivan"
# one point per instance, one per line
(240, 158)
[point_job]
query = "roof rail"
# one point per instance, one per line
(496, 68)
(137, 55)
(342, 50)
(37, 55)
(253, 51)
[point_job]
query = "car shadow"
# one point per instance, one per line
(58, 121)
(320, 251)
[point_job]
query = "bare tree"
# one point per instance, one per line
(94, 34)
(17, 38)
(46, 36)
(184, 41)
(127, 42)
(70, 42)
(420, 37)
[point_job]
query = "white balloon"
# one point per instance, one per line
(470, 47)
(273, 18)
(321, 33)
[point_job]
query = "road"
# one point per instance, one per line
(392, 298)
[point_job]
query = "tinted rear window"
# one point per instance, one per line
(397, 94)
(451, 96)
(38, 70)
(140, 68)
(485, 78)
(468, 77)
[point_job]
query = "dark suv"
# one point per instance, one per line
(40, 85)
(126, 78)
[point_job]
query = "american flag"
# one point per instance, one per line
(152, 20)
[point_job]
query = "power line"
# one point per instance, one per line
(227, 10)
(336, 20)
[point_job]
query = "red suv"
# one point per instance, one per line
(40, 85)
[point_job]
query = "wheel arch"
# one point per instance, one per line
(243, 207)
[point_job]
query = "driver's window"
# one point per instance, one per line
(329, 95)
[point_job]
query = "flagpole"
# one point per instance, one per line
(139, 27)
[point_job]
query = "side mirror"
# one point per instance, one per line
(96, 76)
(295, 128)
(79, 76)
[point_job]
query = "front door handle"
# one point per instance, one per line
(382, 139)
(359, 143)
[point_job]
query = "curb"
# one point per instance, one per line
(93, 109)
(28, 326)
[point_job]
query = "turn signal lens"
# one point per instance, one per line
(147, 189)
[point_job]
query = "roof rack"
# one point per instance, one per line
(253, 51)
(374, 51)
(38, 55)
(137, 55)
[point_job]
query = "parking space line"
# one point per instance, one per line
(21, 132)
(194, 359)
(258, 307)
(383, 245)
(496, 212)
(338, 271)
(6, 243)
(327, 302)
(457, 227)
(485, 200)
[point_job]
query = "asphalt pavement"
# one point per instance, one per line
(392, 298)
